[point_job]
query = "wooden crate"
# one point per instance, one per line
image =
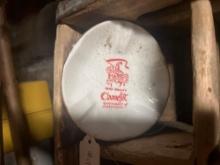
(194, 78)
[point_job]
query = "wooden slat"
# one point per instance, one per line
(101, 10)
(165, 148)
(18, 125)
(64, 127)
(205, 80)
(170, 108)
(173, 16)
(68, 7)
(166, 17)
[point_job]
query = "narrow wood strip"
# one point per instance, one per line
(165, 148)
(18, 126)
(118, 9)
(66, 37)
(205, 80)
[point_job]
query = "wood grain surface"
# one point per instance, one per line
(18, 126)
(205, 80)
(66, 132)
(100, 10)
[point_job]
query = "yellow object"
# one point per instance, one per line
(36, 104)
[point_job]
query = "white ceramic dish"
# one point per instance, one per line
(115, 81)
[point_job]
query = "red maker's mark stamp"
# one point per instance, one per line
(115, 93)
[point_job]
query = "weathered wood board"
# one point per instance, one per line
(205, 80)
(84, 14)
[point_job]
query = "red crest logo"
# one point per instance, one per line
(116, 71)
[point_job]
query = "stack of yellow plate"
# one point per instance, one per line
(36, 104)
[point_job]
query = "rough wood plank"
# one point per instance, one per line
(166, 148)
(64, 127)
(205, 80)
(174, 16)
(101, 10)
(18, 126)
(68, 7)
(170, 108)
